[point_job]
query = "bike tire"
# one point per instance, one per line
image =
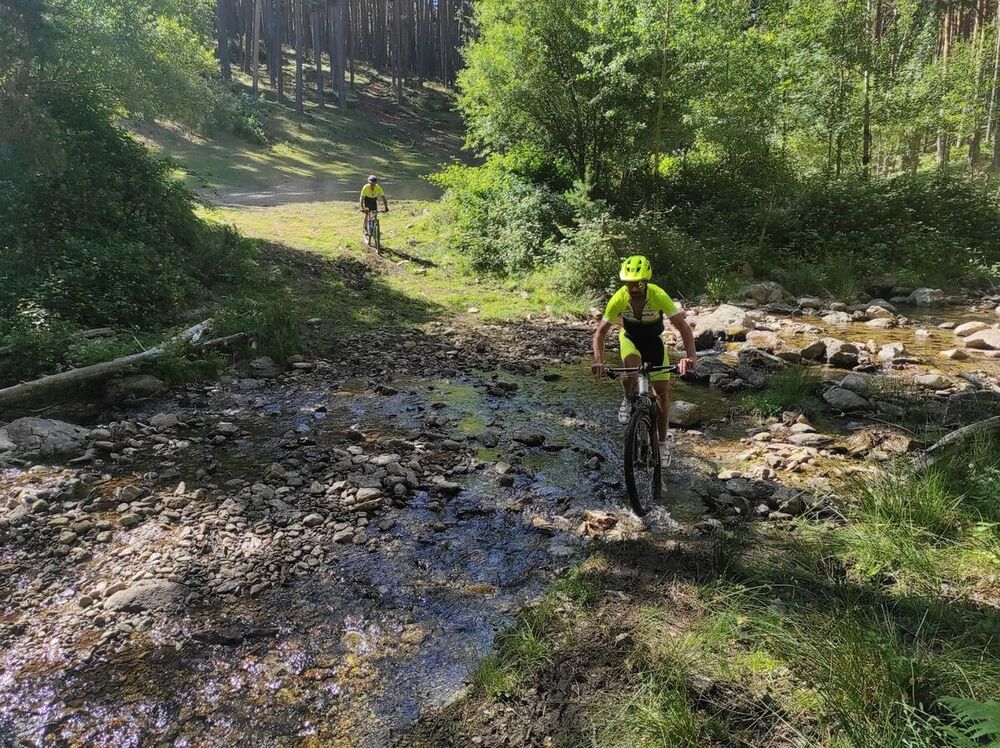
(378, 239)
(644, 489)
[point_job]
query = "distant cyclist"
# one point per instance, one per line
(639, 308)
(370, 194)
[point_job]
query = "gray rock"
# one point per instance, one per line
(765, 292)
(955, 354)
(881, 323)
(727, 322)
(764, 340)
(709, 366)
(685, 414)
(44, 437)
(891, 352)
(528, 437)
(489, 438)
(313, 520)
(859, 384)
(810, 302)
(814, 350)
(927, 296)
(841, 354)
(164, 421)
(153, 594)
(265, 366)
(838, 318)
(984, 340)
(933, 381)
(807, 439)
(758, 359)
(845, 400)
(968, 328)
(367, 494)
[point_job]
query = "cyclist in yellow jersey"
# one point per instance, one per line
(370, 194)
(639, 308)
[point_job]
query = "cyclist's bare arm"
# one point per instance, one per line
(600, 334)
(687, 335)
(385, 203)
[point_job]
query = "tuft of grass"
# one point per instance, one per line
(270, 318)
(656, 714)
(792, 388)
(179, 367)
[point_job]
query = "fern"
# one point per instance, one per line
(981, 718)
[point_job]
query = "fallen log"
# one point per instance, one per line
(933, 452)
(223, 342)
(87, 374)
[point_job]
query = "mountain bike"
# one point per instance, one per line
(374, 232)
(642, 446)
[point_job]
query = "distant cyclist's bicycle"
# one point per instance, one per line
(374, 232)
(642, 447)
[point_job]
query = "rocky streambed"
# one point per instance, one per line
(315, 556)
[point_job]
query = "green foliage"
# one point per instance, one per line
(791, 389)
(104, 236)
(269, 318)
(236, 111)
(502, 221)
(180, 367)
(982, 720)
(37, 342)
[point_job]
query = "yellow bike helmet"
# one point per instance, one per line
(636, 268)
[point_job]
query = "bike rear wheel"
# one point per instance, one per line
(642, 460)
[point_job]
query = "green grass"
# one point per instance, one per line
(792, 388)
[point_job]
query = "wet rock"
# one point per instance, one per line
(881, 323)
(764, 340)
(968, 328)
(810, 302)
(153, 594)
(132, 388)
(758, 359)
(130, 520)
(727, 322)
(838, 318)
(984, 340)
(954, 354)
(876, 311)
(489, 438)
(765, 292)
(927, 296)
(933, 381)
(845, 400)
(528, 437)
(814, 350)
(841, 354)
(892, 351)
(44, 437)
(685, 414)
(367, 494)
(711, 366)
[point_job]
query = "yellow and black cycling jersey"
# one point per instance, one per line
(640, 334)
(372, 191)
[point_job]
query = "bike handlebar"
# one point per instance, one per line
(633, 370)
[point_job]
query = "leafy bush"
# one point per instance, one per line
(35, 341)
(101, 235)
(269, 318)
(502, 221)
(240, 113)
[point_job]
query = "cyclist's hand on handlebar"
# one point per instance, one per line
(685, 365)
(597, 369)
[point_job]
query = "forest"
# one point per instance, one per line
(267, 481)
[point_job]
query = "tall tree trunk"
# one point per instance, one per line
(443, 31)
(943, 142)
(337, 11)
(255, 48)
(298, 19)
(315, 22)
(279, 48)
(222, 37)
(866, 130)
(397, 42)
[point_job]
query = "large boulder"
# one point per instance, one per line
(841, 354)
(984, 340)
(842, 399)
(813, 351)
(927, 296)
(152, 594)
(764, 340)
(758, 359)
(765, 292)
(727, 322)
(44, 437)
(859, 384)
(968, 328)
(891, 351)
(709, 366)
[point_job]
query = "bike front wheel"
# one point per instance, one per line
(642, 460)
(378, 239)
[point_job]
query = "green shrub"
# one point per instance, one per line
(100, 234)
(269, 319)
(238, 112)
(503, 222)
(793, 388)
(36, 342)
